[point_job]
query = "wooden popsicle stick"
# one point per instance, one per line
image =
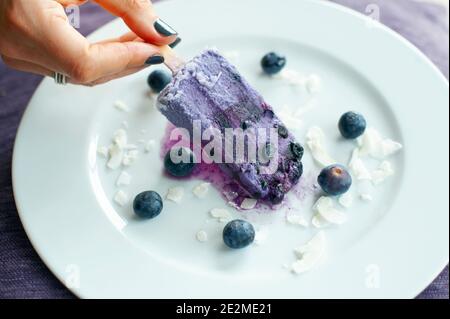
(171, 59)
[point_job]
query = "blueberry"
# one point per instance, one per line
(269, 113)
(147, 204)
(238, 234)
(335, 180)
(246, 124)
(264, 185)
(184, 167)
(352, 125)
(158, 80)
(282, 131)
(296, 150)
(276, 195)
(296, 172)
(273, 63)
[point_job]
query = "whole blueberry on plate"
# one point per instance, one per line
(352, 125)
(272, 63)
(158, 80)
(181, 163)
(147, 204)
(238, 234)
(335, 180)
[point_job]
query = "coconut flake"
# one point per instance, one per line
(130, 157)
(309, 254)
(115, 157)
(202, 236)
(346, 200)
(124, 179)
(150, 146)
(261, 235)
(315, 139)
(366, 197)
(297, 220)
(358, 168)
(319, 222)
(121, 198)
(325, 208)
(175, 194)
(201, 190)
(103, 151)
(222, 215)
(313, 84)
(121, 106)
(248, 203)
(374, 145)
(384, 171)
(120, 138)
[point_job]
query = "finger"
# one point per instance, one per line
(26, 66)
(140, 16)
(127, 37)
(67, 3)
(122, 74)
(105, 59)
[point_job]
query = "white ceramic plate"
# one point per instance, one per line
(393, 247)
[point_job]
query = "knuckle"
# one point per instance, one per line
(81, 72)
(7, 61)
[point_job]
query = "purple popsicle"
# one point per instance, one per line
(209, 90)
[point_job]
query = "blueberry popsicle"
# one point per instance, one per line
(210, 90)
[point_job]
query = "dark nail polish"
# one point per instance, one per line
(156, 59)
(164, 29)
(175, 43)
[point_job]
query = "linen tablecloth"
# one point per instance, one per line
(23, 274)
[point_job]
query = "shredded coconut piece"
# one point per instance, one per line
(202, 236)
(310, 254)
(121, 198)
(297, 220)
(201, 190)
(261, 235)
(103, 151)
(346, 200)
(315, 139)
(325, 208)
(366, 197)
(175, 194)
(115, 157)
(121, 106)
(313, 84)
(384, 171)
(358, 168)
(150, 146)
(373, 144)
(221, 214)
(248, 203)
(123, 179)
(130, 157)
(120, 138)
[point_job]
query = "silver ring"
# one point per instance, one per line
(60, 78)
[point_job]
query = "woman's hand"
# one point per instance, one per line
(35, 36)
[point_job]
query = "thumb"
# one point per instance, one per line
(141, 18)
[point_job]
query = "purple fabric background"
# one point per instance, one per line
(22, 273)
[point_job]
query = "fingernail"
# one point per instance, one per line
(164, 29)
(175, 43)
(155, 59)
